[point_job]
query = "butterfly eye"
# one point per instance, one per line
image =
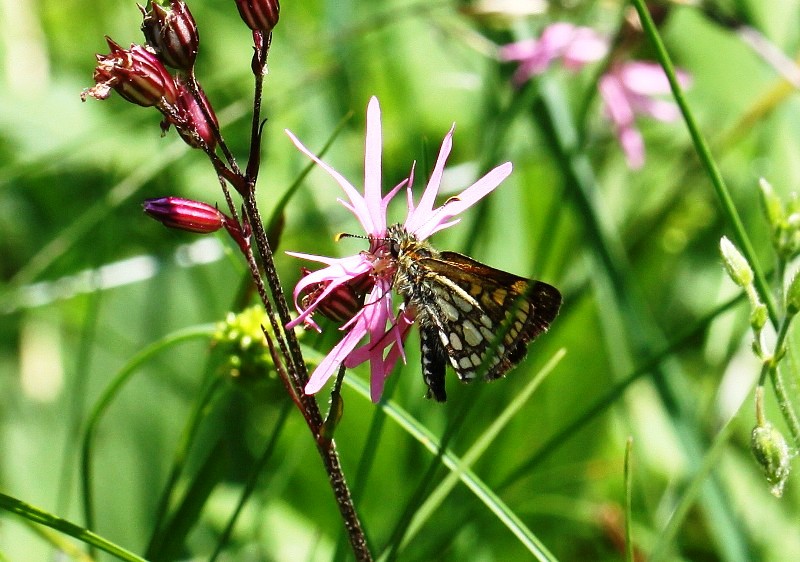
(395, 248)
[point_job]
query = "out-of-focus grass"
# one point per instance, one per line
(88, 282)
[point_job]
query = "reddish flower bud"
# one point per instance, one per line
(194, 122)
(185, 214)
(172, 33)
(344, 302)
(136, 74)
(259, 15)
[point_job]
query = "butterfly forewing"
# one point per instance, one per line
(487, 315)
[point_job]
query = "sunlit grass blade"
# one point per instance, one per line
(481, 444)
(42, 517)
(628, 476)
(704, 153)
(252, 481)
(666, 539)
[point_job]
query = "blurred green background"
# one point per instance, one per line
(88, 282)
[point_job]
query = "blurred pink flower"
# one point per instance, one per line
(377, 317)
(629, 89)
(575, 46)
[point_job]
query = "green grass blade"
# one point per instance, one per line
(469, 478)
(438, 495)
(42, 517)
(113, 389)
(704, 153)
(628, 476)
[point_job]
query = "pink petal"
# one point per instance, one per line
(518, 51)
(586, 46)
(423, 211)
(661, 110)
(331, 363)
(372, 168)
(359, 205)
(648, 78)
(337, 273)
(463, 201)
(632, 145)
(615, 102)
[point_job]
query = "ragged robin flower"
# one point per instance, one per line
(633, 88)
(377, 320)
(628, 89)
(575, 46)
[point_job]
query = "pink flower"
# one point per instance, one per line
(377, 318)
(629, 89)
(575, 46)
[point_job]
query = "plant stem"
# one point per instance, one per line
(704, 153)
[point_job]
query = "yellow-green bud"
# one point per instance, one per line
(773, 206)
(759, 317)
(241, 342)
(735, 263)
(793, 295)
(772, 453)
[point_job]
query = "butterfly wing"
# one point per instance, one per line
(485, 317)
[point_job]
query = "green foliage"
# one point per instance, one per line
(99, 303)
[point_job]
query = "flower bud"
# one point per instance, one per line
(773, 206)
(736, 264)
(759, 317)
(772, 453)
(793, 295)
(172, 34)
(241, 342)
(195, 123)
(259, 15)
(185, 214)
(136, 74)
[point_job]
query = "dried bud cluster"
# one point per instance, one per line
(193, 118)
(140, 75)
(136, 74)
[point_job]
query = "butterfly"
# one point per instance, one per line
(472, 316)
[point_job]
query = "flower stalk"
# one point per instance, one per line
(140, 76)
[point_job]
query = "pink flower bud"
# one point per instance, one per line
(185, 214)
(136, 74)
(194, 122)
(259, 15)
(172, 34)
